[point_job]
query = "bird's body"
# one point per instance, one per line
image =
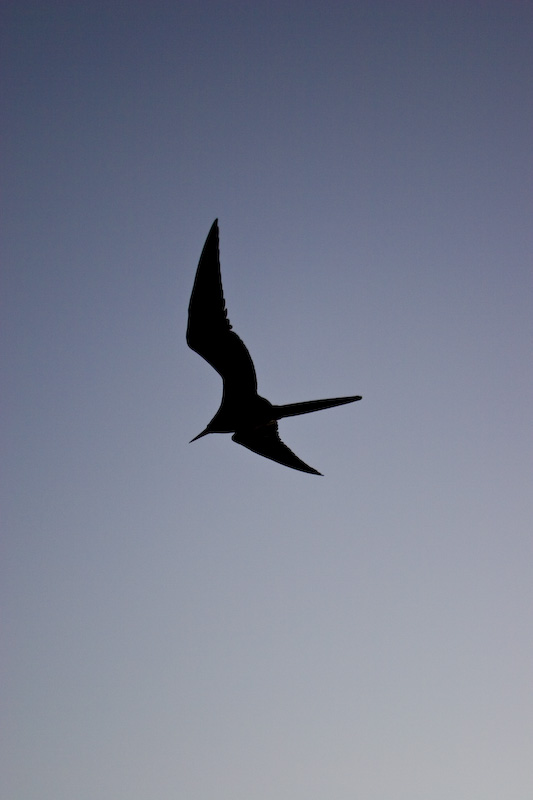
(251, 418)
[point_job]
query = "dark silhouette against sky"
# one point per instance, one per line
(252, 419)
(168, 607)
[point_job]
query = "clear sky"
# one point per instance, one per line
(195, 622)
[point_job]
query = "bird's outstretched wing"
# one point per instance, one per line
(209, 330)
(265, 441)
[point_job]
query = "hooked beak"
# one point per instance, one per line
(203, 433)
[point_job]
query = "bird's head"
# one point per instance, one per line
(203, 433)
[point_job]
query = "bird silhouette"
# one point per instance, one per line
(252, 419)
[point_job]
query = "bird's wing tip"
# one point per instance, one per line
(265, 441)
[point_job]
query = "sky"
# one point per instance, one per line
(193, 621)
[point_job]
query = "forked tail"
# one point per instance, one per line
(292, 409)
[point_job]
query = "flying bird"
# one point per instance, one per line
(251, 419)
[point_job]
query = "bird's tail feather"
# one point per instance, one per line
(292, 409)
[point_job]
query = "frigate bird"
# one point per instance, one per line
(252, 419)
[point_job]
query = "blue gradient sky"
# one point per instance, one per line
(194, 621)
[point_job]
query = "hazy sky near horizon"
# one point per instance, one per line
(195, 621)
